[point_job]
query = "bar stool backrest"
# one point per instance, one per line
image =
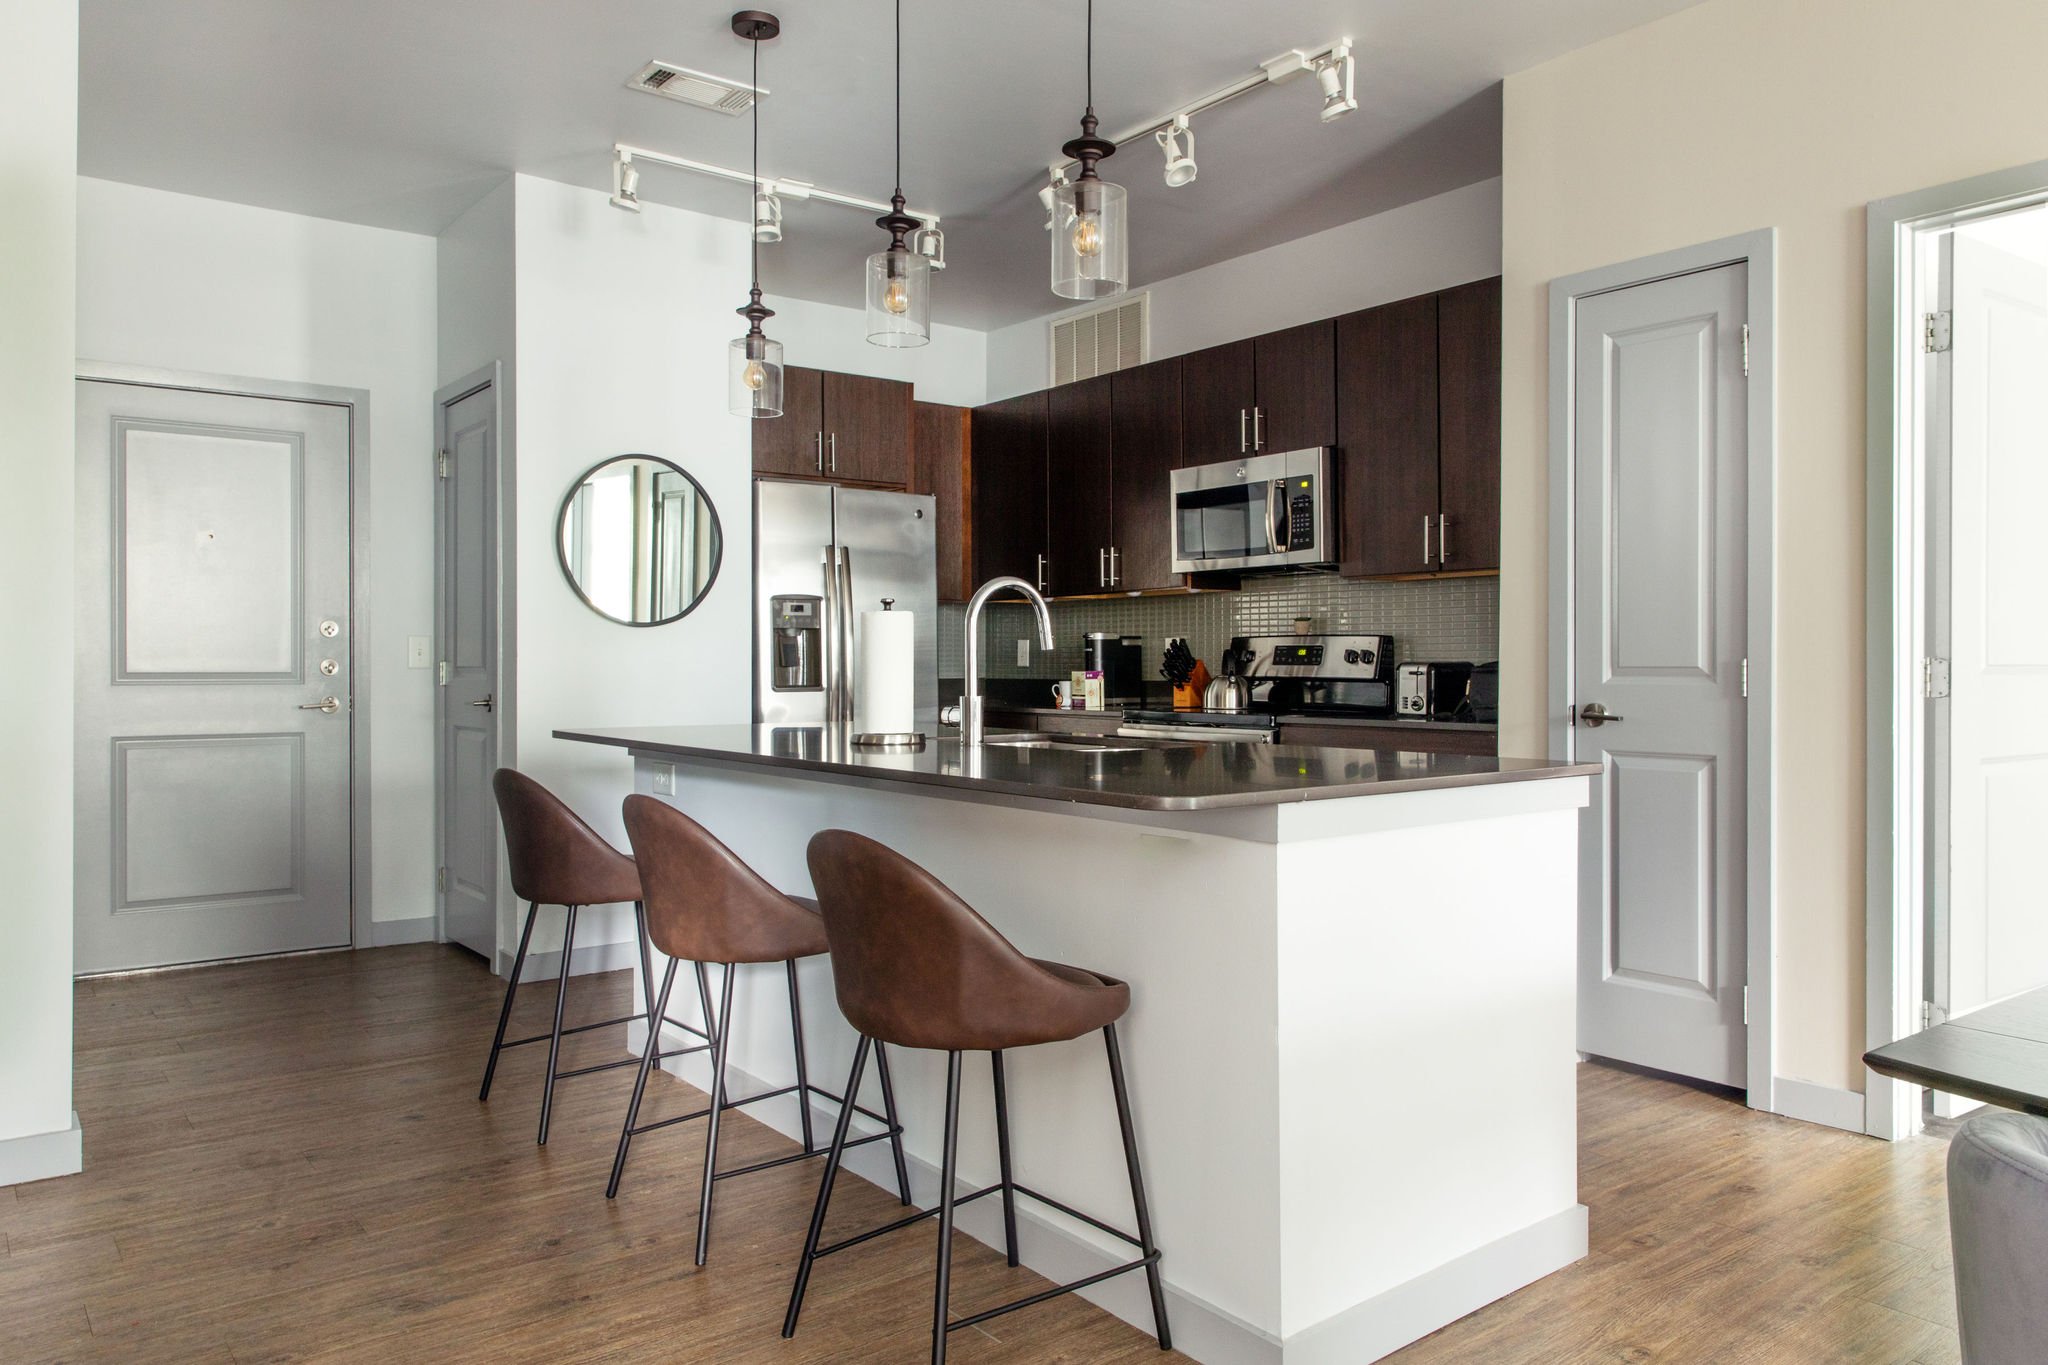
(704, 904)
(555, 858)
(915, 966)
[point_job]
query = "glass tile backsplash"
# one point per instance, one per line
(1447, 618)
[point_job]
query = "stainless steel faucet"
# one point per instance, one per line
(967, 715)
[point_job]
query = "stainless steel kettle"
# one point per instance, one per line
(1228, 693)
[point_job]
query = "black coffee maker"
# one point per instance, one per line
(1121, 661)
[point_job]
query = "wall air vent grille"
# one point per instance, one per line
(685, 86)
(1114, 337)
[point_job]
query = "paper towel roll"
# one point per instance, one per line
(885, 676)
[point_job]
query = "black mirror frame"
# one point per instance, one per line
(562, 554)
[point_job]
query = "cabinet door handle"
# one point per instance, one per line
(1101, 568)
(1243, 441)
(1114, 576)
(1041, 573)
(1443, 538)
(1426, 519)
(1258, 428)
(818, 439)
(835, 452)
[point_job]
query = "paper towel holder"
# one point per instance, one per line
(908, 739)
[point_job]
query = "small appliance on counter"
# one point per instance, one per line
(1120, 659)
(1486, 693)
(1434, 691)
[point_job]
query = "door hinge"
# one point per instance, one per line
(440, 879)
(1932, 1014)
(1941, 332)
(1934, 678)
(1745, 350)
(1745, 679)
(443, 464)
(1745, 1006)
(441, 672)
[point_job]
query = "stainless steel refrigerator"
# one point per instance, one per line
(822, 556)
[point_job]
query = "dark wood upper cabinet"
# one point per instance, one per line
(1145, 447)
(1007, 489)
(1295, 388)
(789, 444)
(867, 429)
(941, 465)
(1217, 396)
(1077, 442)
(1468, 408)
(1387, 432)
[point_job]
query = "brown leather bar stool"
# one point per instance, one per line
(705, 905)
(915, 966)
(556, 859)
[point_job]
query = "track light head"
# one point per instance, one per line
(625, 183)
(1046, 195)
(1180, 162)
(767, 216)
(1336, 74)
(930, 243)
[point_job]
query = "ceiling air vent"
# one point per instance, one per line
(685, 86)
(1114, 337)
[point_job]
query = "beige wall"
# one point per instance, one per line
(1744, 114)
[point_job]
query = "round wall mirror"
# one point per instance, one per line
(639, 540)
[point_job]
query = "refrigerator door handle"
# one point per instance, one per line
(846, 635)
(828, 604)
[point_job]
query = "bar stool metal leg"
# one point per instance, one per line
(646, 962)
(895, 1125)
(1146, 1245)
(803, 1072)
(659, 1009)
(943, 1284)
(832, 1159)
(1003, 1158)
(721, 1047)
(547, 1092)
(505, 1011)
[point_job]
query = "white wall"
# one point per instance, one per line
(622, 324)
(1428, 245)
(38, 209)
(194, 284)
(1735, 115)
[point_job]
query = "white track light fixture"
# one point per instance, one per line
(1336, 73)
(767, 216)
(1180, 161)
(625, 183)
(899, 279)
(1048, 197)
(929, 242)
(1090, 248)
(754, 388)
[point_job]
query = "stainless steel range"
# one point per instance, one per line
(1290, 675)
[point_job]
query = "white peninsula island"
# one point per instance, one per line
(1351, 1042)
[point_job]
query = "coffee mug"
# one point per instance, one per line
(1063, 695)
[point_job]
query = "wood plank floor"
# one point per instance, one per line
(286, 1161)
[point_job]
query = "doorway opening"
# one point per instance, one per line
(1959, 472)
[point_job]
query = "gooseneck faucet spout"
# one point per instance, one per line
(967, 715)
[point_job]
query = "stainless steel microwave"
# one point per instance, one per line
(1262, 512)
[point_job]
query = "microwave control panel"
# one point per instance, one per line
(1301, 513)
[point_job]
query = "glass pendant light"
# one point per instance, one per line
(899, 280)
(755, 360)
(1090, 242)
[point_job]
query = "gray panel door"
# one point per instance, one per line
(466, 626)
(1660, 471)
(213, 617)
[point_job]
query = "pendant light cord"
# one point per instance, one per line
(899, 96)
(1091, 56)
(753, 236)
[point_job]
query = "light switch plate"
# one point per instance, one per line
(1023, 654)
(664, 776)
(417, 650)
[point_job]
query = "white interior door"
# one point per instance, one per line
(467, 639)
(1991, 931)
(1660, 560)
(212, 800)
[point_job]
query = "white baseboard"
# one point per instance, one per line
(589, 958)
(1063, 1251)
(41, 1156)
(1821, 1104)
(389, 933)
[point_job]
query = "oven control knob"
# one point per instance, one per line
(1350, 656)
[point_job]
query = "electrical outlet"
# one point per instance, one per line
(417, 649)
(1023, 654)
(664, 779)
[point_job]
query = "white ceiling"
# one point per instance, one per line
(402, 113)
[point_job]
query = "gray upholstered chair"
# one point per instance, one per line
(1998, 1222)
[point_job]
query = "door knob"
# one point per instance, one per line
(1595, 715)
(485, 703)
(328, 704)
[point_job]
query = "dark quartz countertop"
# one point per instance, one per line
(1158, 775)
